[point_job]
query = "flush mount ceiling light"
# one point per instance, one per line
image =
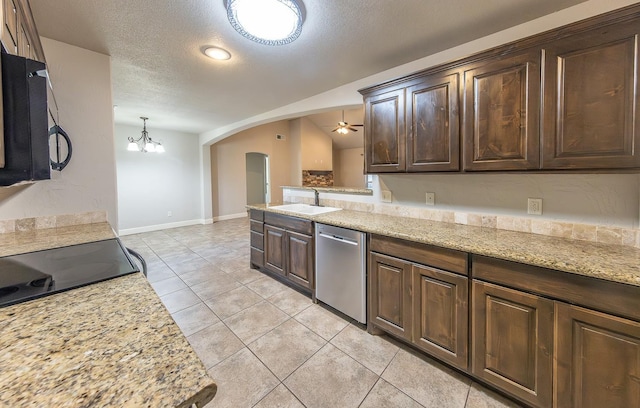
(269, 22)
(217, 53)
(144, 143)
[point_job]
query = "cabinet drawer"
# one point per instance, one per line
(256, 215)
(447, 259)
(289, 223)
(257, 257)
(611, 297)
(257, 226)
(257, 240)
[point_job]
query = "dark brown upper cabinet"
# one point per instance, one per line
(501, 114)
(385, 132)
(566, 99)
(592, 97)
(433, 124)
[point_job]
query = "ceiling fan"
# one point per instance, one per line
(344, 128)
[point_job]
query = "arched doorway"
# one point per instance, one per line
(258, 191)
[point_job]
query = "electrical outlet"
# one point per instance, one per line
(169, 213)
(386, 196)
(534, 206)
(430, 199)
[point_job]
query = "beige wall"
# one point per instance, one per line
(295, 143)
(82, 84)
(228, 168)
(348, 167)
(315, 148)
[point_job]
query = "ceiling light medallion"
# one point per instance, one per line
(269, 22)
(144, 143)
(217, 53)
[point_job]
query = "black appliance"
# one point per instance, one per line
(26, 125)
(28, 276)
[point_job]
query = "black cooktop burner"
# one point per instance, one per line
(28, 276)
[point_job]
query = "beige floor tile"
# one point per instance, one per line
(229, 303)
(233, 264)
(321, 321)
(286, 347)
(290, 301)
(159, 272)
(480, 397)
(166, 286)
(374, 352)
(331, 379)
(190, 265)
(179, 300)
(426, 381)
(201, 275)
(242, 381)
(266, 286)
(214, 343)
(280, 397)
(384, 394)
(255, 321)
(246, 275)
(194, 318)
(215, 286)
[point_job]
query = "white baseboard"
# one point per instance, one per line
(158, 227)
(230, 217)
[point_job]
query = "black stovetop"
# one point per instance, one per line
(28, 276)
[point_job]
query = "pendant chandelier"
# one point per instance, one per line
(144, 143)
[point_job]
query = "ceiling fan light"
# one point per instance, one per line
(132, 146)
(149, 147)
(269, 22)
(343, 131)
(160, 148)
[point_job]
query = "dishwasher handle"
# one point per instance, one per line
(338, 238)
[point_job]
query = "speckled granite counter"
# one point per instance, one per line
(110, 344)
(608, 262)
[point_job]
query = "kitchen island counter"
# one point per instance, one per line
(615, 263)
(108, 344)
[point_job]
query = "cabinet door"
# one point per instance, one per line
(390, 294)
(385, 132)
(512, 340)
(501, 114)
(440, 310)
(433, 138)
(10, 26)
(274, 249)
(592, 100)
(300, 259)
(598, 359)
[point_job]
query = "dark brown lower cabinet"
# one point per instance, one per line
(440, 314)
(598, 359)
(390, 295)
(274, 249)
(300, 259)
(512, 342)
(256, 226)
(423, 305)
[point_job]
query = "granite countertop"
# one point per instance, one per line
(109, 344)
(609, 262)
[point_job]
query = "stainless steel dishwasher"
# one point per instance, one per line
(340, 270)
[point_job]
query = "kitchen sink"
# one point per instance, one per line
(305, 209)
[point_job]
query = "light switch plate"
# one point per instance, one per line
(386, 196)
(430, 199)
(534, 206)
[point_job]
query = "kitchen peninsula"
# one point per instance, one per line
(110, 344)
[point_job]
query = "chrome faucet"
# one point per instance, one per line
(316, 199)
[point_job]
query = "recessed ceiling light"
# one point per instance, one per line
(270, 22)
(217, 53)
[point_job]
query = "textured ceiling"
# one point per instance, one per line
(159, 71)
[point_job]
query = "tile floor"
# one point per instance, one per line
(267, 345)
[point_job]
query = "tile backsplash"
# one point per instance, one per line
(587, 232)
(51, 221)
(316, 178)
